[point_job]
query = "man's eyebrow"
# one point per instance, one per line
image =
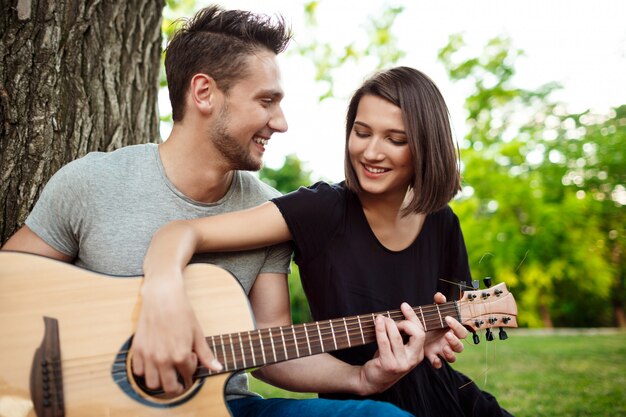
(275, 94)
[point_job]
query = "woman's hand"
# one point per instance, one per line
(394, 359)
(444, 343)
(169, 341)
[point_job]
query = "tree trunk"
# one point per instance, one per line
(75, 76)
(618, 290)
(545, 316)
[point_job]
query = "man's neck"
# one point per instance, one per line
(194, 167)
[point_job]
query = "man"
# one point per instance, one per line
(101, 211)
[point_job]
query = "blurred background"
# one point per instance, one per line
(536, 92)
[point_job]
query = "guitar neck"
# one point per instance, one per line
(254, 348)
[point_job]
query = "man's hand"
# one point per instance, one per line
(169, 340)
(444, 343)
(394, 359)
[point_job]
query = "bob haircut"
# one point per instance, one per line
(218, 42)
(436, 178)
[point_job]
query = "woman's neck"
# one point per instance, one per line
(384, 216)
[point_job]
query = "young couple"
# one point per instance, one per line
(383, 238)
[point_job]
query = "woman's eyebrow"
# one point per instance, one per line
(398, 131)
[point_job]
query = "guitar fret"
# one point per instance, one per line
(224, 353)
(345, 325)
(232, 351)
(308, 342)
(333, 333)
(295, 341)
(423, 320)
(243, 355)
(440, 318)
(361, 328)
(262, 347)
(252, 349)
(214, 351)
(317, 323)
(284, 344)
(272, 342)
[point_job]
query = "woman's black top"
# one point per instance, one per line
(346, 271)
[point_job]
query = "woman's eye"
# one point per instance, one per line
(360, 134)
(398, 142)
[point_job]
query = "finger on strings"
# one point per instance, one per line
(137, 364)
(151, 375)
(415, 332)
(454, 342)
(205, 354)
(382, 339)
(169, 379)
(459, 330)
(188, 369)
(393, 333)
(409, 313)
(439, 298)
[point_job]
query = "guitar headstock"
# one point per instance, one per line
(491, 307)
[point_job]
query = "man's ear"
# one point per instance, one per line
(204, 93)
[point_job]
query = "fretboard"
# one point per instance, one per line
(254, 348)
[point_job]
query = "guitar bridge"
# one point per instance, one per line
(46, 378)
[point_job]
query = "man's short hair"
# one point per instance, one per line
(217, 42)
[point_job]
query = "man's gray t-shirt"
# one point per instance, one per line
(104, 208)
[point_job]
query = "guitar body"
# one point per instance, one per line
(96, 316)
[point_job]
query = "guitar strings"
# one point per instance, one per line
(431, 314)
(362, 325)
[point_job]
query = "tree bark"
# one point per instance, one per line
(75, 76)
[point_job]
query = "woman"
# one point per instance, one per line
(384, 236)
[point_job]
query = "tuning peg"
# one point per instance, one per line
(475, 284)
(487, 281)
(488, 335)
(502, 334)
(475, 338)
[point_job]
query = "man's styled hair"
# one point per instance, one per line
(217, 42)
(436, 178)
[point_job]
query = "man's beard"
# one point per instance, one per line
(233, 152)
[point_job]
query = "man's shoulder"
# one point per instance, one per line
(256, 187)
(99, 160)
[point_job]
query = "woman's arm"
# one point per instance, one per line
(169, 338)
(174, 244)
(324, 373)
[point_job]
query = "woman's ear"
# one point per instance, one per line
(204, 93)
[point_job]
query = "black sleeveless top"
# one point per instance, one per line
(346, 271)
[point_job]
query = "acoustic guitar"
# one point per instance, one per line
(65, 335)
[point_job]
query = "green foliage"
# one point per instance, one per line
(289, 177)
(542, 236)
(174, 13)
(329, 57)
(300, 312)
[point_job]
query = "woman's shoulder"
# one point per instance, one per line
(319, 190)
(444, 217)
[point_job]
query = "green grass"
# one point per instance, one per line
(536, 375)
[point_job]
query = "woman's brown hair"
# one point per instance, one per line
(436, 178)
